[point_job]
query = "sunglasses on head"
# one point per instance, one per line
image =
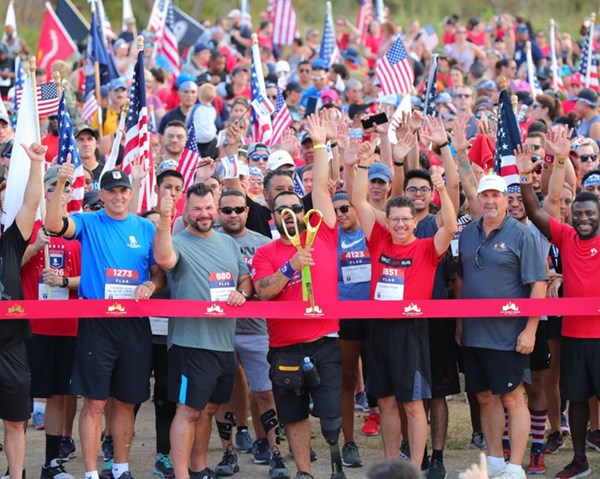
(230, 209)
(295, 208)
(259, 157)
(342, 209)
(96, 206)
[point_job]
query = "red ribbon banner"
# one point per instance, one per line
(467, 308)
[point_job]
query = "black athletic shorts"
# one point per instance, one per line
(539, 358)
(15, 384)
(200, 376)
(51, 362)
(398, 357)
(353, 329)
(497, 371)
(113, 358)
(293, 406)
(442, 353)
(579, 368)
(553, 331)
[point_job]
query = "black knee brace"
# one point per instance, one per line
(269, 421)
(225, 428)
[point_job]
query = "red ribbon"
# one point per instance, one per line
(97, 308)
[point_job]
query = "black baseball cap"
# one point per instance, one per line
(113, 179)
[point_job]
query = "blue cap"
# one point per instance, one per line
(198, 47)
(379, 171)
(183, 77)
(320, 64)
(352, 55)
(117, 83)
(167, 165)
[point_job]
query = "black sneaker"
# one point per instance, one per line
(207, 473)
(303, 475)
(55, 470)
(351, 455)
(437, 470)
(106, 472)
(229, 464)
(277, 466)
(67, 449)
(107, 448)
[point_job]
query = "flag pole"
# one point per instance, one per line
(590, 35)
(97, 77)
(37, 139)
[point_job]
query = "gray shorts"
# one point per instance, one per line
(251, 351)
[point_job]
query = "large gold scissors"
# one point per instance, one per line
(311, 233)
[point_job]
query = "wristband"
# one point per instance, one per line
(319, 147)
(548, 159)
(287, 270)
(442, 145)
(334, 144)
(65, 282)
(150, 285)
(525, 178)
(398, 163)
(362, 167)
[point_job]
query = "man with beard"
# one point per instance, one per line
(580, 347)
(252, 346)
(200, 264)
(499, 258)
(50, 140)
(277, 269)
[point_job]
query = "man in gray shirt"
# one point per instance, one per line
(499, 258)
(200, 264)
(252, 344)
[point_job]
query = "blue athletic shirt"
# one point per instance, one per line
(112, 247)
(354, 243)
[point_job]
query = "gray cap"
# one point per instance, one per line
(51, 175)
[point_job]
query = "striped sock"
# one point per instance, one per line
(505, 441)
(538, 429)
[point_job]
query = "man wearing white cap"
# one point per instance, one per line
(499, 258)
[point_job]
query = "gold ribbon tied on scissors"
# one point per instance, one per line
(311, 233)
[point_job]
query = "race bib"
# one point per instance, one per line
(356, 266)
(390, 285)
(120, 283)
(46, 291)
(159, 326)
(454, 242)
(221, 285)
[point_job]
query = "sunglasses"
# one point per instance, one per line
(586, 158)
(342, 209)
(230, 209)
(259, 157)
(256, 182)
(295, 208)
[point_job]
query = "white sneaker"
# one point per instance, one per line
(495, 471)
(512, 473)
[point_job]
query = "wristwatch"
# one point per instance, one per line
(65, 282)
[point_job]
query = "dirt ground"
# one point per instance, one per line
(457, 455)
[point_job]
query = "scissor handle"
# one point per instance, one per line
(294, 239)
(312, 230)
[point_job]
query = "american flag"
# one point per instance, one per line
(263, 129)
(189, 158)
(380, 11)
(167, 43)
(534, 84)
(395, 71)
(364, 18)
(137, 139)
(158, 16)
(47, 98)
(68, 145)
(285, 28)
(429, 36)
(557, 83)
(90, 107)
(430, 93)
(588, 66)
(281, 118)
(19, 82)
(329, 50)
(508, 136)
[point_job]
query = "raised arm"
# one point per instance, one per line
(364, 210)
(465, 171)
(320, 193)
(537, 215)
(54, 221)
(557, 142)
(446, 232)
(164, 254)
(33, 191)
(406, 142)
(233, 134)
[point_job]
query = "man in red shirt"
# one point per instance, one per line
(580, 346)
(277, 268)
(402, 268)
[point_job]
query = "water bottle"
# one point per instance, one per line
(311, 375)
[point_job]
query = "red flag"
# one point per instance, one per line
(55, 43)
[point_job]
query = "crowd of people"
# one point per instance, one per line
(344, 206)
